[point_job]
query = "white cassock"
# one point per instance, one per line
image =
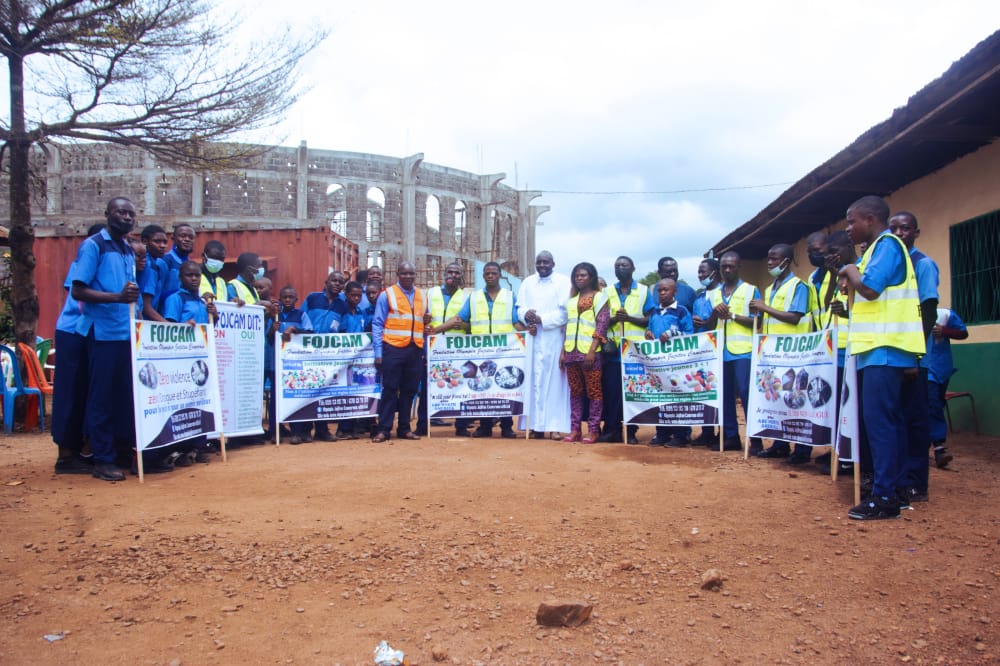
(549, 408)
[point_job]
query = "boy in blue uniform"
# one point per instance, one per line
(940, 367)
(667, 321)
(181, 251)
(289, 320)
(154, 278)
(103, 279)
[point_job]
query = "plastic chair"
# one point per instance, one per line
(42, 350)
(951, 395)
(11, 392)
(35, 376)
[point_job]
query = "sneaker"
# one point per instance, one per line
(345, 434)
(202, 457)
(507, 434)
(706, 438)
(612, 437)
(107, 472)
(632, 439)
(185, 459)
(325, 436)
(911, 494)
(479, 433)
(875, 508)
(678, 441)
(942, 457)
(73, 465)
(660, 441)
(867, 483)
(421, 431)
(797, 459)
(296, 439)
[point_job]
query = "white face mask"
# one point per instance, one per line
(777, 270)
(214, 265)
(259, 273)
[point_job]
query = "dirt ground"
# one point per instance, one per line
(445, 547)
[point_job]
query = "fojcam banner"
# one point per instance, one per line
(478, 375)
(793, 379)
(175, 386)
(848, 437)
(673, 383)
(239, 348)
(324, 376)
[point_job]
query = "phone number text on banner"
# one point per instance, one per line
(175, 384)
(793, 382)
(239, 349)
(472, 376)
(672, 383)
(326, 376)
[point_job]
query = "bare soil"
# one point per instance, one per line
(445, 547)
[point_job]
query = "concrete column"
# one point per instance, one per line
(53, 179)
(198, 194)
(410, 167)
(150, 180)
(526, 230)
(488, 201)
(302, 183)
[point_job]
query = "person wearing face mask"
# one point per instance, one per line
(212, 284)
(701, 314)
(249, 269)
(104, 281)
(820, 278)
(785, 309)
(630, 304)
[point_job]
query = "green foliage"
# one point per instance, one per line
(651, 278)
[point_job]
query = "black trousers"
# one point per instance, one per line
(402, 368)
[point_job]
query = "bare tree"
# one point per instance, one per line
(157, 74)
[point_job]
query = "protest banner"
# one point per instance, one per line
(793, 381)
(323, 376)
(239, 349)
(672, 383)
(175, 388)
(473, 376)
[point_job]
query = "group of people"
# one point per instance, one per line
(884, 304)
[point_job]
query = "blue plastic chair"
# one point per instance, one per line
(11, 392)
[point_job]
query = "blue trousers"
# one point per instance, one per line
(935, 403)
(881, 392)
(69, 394)
(916, 466)
(735, 380)
(110, 419)
(402, 369)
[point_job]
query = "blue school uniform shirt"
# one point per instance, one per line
(104, 264)
(72, 309)
(153, 280)
(663, 318)
(702, 307)
(286, 319)
(350, 322)
(886, 267)
(321, 310)
(183, 305)
(172, 279)
(684, 296)
(926, 271)
(938, 361)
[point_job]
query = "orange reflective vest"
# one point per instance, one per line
(404, 323)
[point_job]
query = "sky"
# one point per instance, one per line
(643, 97)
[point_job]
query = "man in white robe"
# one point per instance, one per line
(541, 307)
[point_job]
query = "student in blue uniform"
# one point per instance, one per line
(667, 267)
(667, 321)
(940, 367)
(154, 278)
(103, 279)
(179, 253)
(288, 321)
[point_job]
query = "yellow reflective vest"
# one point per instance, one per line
(581, 326)
(739, 338)
(782, 300)
(243, 292)
(440, 314)
(502, 320)
(892, 319)
(821, 314)
(217, 287)
(634, 303)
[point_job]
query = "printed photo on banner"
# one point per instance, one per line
(326, 376)
(793, 380)
(175, 382)
(848, 437)
(672, 383)
(239, 349)
(477, 375)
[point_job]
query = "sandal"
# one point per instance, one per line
(589, 439)
(573, 436)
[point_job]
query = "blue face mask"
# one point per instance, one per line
(707, 282)
(213, 265)
(776, 271)
(259, 274)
